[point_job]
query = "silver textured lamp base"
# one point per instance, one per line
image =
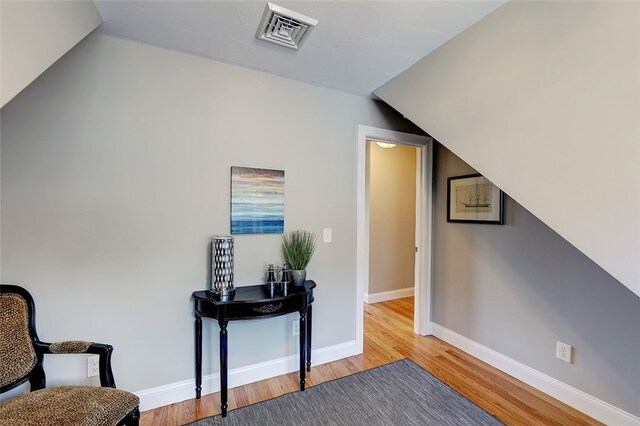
(222, 266)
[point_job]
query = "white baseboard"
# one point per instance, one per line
(388, 295)
(571, 396)
(185, 389)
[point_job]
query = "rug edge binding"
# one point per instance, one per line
(581, 401)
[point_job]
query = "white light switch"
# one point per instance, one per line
(326, 235)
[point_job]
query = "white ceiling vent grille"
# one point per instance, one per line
(284, 27)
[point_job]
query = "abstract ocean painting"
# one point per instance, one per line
(257, 201)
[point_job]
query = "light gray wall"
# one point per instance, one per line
(548, 86)
(35, 34)
(115, 175)
(392, 217)
(520, 287)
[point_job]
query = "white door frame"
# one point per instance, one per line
(424, 226)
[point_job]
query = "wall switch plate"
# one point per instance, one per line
(92, 366)
(296, 328)
(327, 235)
(563, 352)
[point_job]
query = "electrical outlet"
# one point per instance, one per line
(92, 366)
(563, 352)
(296, 328)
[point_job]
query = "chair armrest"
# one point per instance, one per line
(70, 347)
(81, 347)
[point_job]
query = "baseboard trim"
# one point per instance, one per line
(185, 389)
(571, 396)
(383, 296)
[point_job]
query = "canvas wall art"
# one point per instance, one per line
(257, 201)
(473, 198)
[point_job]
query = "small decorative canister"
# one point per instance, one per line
(286, 274)
(222, 266)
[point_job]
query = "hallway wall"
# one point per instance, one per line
(518, 288)
(392, 217)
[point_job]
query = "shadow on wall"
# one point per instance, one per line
(396, 120)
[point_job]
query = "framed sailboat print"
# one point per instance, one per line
(474, 199)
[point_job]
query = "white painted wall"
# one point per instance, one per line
(35, 34)
(392, 217)
(115, 175)
(543, 98)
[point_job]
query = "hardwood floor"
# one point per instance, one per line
(389, 337)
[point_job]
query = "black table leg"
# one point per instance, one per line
(223, 367)
(309, 337)
(303, 345)
(198, 356)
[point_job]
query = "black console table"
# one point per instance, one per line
(252, 302)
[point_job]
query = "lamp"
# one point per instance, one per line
(222, 266)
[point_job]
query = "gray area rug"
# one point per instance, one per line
(400, 393)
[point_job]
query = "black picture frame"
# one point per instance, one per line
(482, 209)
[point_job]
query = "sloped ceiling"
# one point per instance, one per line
(356, 46)
(543, 98)
(35, 34)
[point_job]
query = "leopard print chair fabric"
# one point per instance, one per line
(67, 405)
(17, 357)
(70, 347)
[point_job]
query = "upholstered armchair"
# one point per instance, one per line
(21, 359)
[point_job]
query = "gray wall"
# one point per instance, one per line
(520, 287)
(115, 175)
(392, 217)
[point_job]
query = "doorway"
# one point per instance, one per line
(423, 225)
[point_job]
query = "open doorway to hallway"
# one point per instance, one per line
(391, 169)
(423, 225)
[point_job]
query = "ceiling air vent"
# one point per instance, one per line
(284, 27)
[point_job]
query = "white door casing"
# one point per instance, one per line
(424, 225)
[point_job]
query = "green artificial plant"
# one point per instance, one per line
(297, 248)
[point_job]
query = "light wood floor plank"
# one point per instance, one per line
(389, 337)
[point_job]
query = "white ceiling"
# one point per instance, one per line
(356, 46)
